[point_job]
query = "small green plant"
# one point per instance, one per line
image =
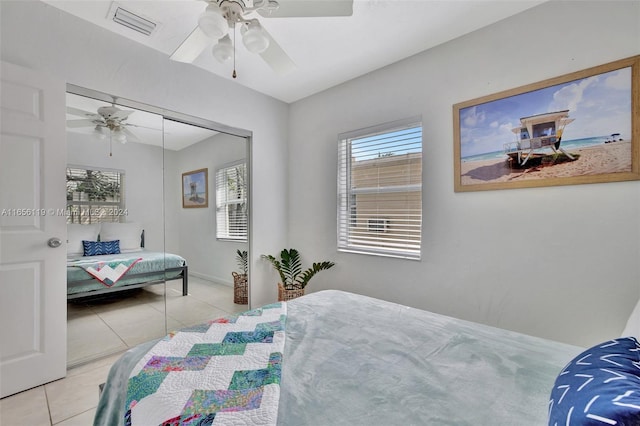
(242, 261)
(289, 266)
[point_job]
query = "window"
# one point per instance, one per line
(380, 190)
(231, 202)
(94, 196)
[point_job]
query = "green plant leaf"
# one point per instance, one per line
(289, 266)
(242, 261)
(303, 280)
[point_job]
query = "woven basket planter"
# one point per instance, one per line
(240, 289)
(284, 294)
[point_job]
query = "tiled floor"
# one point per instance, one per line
(105, 330)
(112, 325)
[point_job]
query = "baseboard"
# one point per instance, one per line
(224, 281)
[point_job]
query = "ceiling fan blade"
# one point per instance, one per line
(80, 113)
(309, 8)
(73, 124)
(142, 127)
(276, 57)
(192, 47)
(121, 115)
(130, 135)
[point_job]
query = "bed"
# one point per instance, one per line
(349, 360)
(123, 266)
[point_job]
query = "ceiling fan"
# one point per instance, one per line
(221, 17)
(107, 117)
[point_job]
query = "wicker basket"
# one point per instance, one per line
(284, 294)
(240, 291)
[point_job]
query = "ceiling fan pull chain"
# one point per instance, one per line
(234, 52)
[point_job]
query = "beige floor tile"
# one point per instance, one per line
(121, 300)
(206, 290)
(106, 362)
(84, 419)
(25, 408)
(191, 312)
(136, 324)
(89, 337)
(229, 306)
(76, 393)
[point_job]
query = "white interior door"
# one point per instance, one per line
(33, 336)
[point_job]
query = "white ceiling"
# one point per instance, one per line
(327, 51)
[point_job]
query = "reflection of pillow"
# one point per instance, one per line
(128, 233)
(76, 233)
(98, 248)
(600, 386)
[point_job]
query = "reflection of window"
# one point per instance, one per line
(231, 202)
(94, 196)
(544, 129)
(380, 190)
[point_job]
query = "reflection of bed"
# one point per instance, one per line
(353, 360)
(148, 267)
(153, 268)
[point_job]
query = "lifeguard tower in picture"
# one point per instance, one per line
(537, 132)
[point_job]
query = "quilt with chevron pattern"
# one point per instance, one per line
(226, 372)
(108, 273)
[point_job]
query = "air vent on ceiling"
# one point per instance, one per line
(133, 20)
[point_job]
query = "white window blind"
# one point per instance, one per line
(94, 196)
(380, 190)
(231, 203)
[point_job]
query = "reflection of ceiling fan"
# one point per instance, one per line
(111, 118)
(107, 117)
(222, 15)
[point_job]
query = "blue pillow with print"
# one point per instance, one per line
(98, 248)
(601, 386)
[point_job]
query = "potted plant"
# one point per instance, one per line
(240, 291)
(293, 278)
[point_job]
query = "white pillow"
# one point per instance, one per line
(633, 323)
(76, 233)
(128, 233)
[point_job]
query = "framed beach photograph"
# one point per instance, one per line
(195, 189)
(579, 128)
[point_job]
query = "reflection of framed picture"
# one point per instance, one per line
(195, 191)
(582, 127)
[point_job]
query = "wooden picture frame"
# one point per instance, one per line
(195, 189)
(599, 107)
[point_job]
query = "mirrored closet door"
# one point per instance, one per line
(157, 212)
(206, 220)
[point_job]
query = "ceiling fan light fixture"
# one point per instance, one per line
(223, 49)
(254, 38)
(98, 133)
(212, 23)
(120, 137)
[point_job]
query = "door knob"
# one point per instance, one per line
(54, 242)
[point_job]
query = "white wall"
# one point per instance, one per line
(195, 229)
(486, 256)
(39, 36)
(142, 165)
